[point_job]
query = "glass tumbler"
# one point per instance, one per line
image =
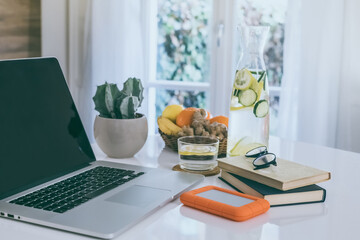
(197, 153)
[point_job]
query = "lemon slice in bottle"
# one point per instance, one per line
(243, 79)
(235, 150)
(238, 147)
(243, 146)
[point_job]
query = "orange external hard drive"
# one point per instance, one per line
(226, 203)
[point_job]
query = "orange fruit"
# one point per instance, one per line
(220, 119)
(184, 118)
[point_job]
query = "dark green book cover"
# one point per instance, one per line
(308, 194)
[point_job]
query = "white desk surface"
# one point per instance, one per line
(337, 218)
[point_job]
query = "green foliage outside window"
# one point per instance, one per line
(182, 53)
(182, 40)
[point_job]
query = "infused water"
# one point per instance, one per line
(249, 106)
(249, 112)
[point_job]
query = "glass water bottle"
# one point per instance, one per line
(249, 105)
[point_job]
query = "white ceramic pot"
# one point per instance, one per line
(121, 138)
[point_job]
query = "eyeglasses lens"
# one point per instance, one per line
(256, 152)
(264, 159)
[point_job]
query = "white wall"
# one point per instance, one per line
(54, 31)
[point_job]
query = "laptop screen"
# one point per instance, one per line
(41, 134)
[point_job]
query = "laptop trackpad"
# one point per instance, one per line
(140, 196)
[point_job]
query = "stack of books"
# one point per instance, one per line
(285, 184)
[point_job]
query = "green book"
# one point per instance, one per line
(308, 194)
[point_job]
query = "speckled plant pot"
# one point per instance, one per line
(121, 138)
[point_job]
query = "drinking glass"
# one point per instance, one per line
(198, 153)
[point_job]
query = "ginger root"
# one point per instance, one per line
(200, 126)
(186, 131)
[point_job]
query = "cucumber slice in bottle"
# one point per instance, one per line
(247, 97)
(243, 79)
(261, 108)
(236, 92)
(262, 75)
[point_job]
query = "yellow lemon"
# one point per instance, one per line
(172, 111)
(243, 79)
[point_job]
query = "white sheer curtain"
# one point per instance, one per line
(106, 43)
(320, 100)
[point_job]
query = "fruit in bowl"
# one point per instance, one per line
(178, 122)
(172, 111)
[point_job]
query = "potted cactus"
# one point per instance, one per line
(119, 130)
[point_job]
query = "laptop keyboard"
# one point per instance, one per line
(69, 193)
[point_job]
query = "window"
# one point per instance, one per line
(195, 52)
(182, 55)
(182, 52)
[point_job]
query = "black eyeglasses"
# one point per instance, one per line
(263, 158)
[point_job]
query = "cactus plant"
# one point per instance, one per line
(133, 87)
(128, 106)
(110, 102)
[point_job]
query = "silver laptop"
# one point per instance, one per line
(48, 172)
